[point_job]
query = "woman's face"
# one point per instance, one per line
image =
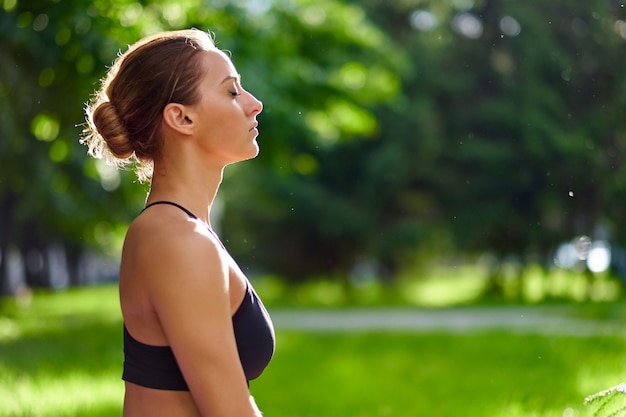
(225, 116)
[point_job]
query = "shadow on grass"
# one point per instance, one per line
(83, 346)
(62, 365)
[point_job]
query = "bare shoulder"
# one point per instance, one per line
(168, 229)
(165, 239)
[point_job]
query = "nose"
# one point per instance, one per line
(256, 105)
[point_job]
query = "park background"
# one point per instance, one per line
(415, 155)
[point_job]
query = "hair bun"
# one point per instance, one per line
(124, 115)
(109, 125)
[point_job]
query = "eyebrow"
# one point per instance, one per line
(231, 77)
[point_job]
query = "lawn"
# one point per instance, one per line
(62, 356)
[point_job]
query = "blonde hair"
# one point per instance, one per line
(124, 115)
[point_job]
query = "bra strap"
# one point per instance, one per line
(171, 203)
(193, 216)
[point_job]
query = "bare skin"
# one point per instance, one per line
(178, 286)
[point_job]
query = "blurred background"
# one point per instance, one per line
(396, 136)
(414, 154)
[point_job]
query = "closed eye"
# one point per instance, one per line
(235, 93)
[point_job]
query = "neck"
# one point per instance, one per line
(192, 187)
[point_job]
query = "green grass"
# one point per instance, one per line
(62, 356)
(484, 374)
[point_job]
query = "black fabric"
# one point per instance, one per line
(171, 203)
(151, 366)
(254, 334)
(156, 366)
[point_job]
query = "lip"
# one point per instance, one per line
(254, 127)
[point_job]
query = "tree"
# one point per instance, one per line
(514, 110)
(50, 194)
(289, 213)
(53, 53)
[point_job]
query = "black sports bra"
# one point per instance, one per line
(156, 367)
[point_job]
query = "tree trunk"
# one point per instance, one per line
(4, 276)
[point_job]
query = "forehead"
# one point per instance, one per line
(217, 66)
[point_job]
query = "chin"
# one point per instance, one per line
(254, 150)
(251, 153)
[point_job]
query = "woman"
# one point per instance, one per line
(195, 331)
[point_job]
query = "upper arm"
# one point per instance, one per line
(189, 290)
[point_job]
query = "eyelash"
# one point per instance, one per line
(235, 93)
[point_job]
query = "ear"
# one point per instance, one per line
(176, 117)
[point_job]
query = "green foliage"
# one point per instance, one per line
(506, 142)
(51, 58)
(305, 59)
(510, 136)
(385, 139)
(318, 86)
